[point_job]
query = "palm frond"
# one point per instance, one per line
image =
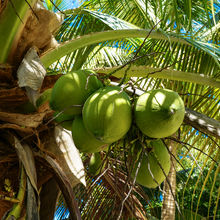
(176, 47)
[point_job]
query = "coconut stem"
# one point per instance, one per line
(6, 198)
(16, 210)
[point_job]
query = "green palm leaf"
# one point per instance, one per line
(174, 42)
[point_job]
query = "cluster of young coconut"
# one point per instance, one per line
(99, 115)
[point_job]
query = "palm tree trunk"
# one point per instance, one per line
(168, 208)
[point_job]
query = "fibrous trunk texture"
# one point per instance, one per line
(168, 208)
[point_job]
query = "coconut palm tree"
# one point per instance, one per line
(171, 23)
(139, 44)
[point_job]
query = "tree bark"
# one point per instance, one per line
(168, 208)
(202, 123)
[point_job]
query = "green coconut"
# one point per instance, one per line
(107, 114)
(65, 121)
(159, 113)
(44, 97)
(95, 164)
(71, 91)
(150, 173)
(83, 140)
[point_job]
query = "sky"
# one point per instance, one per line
(74, 3)
(71, 4)
(65, 4)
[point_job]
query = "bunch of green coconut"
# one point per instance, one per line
(99, 115)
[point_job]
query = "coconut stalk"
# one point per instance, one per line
(6, 198)
(12, 21)
(17, 208)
